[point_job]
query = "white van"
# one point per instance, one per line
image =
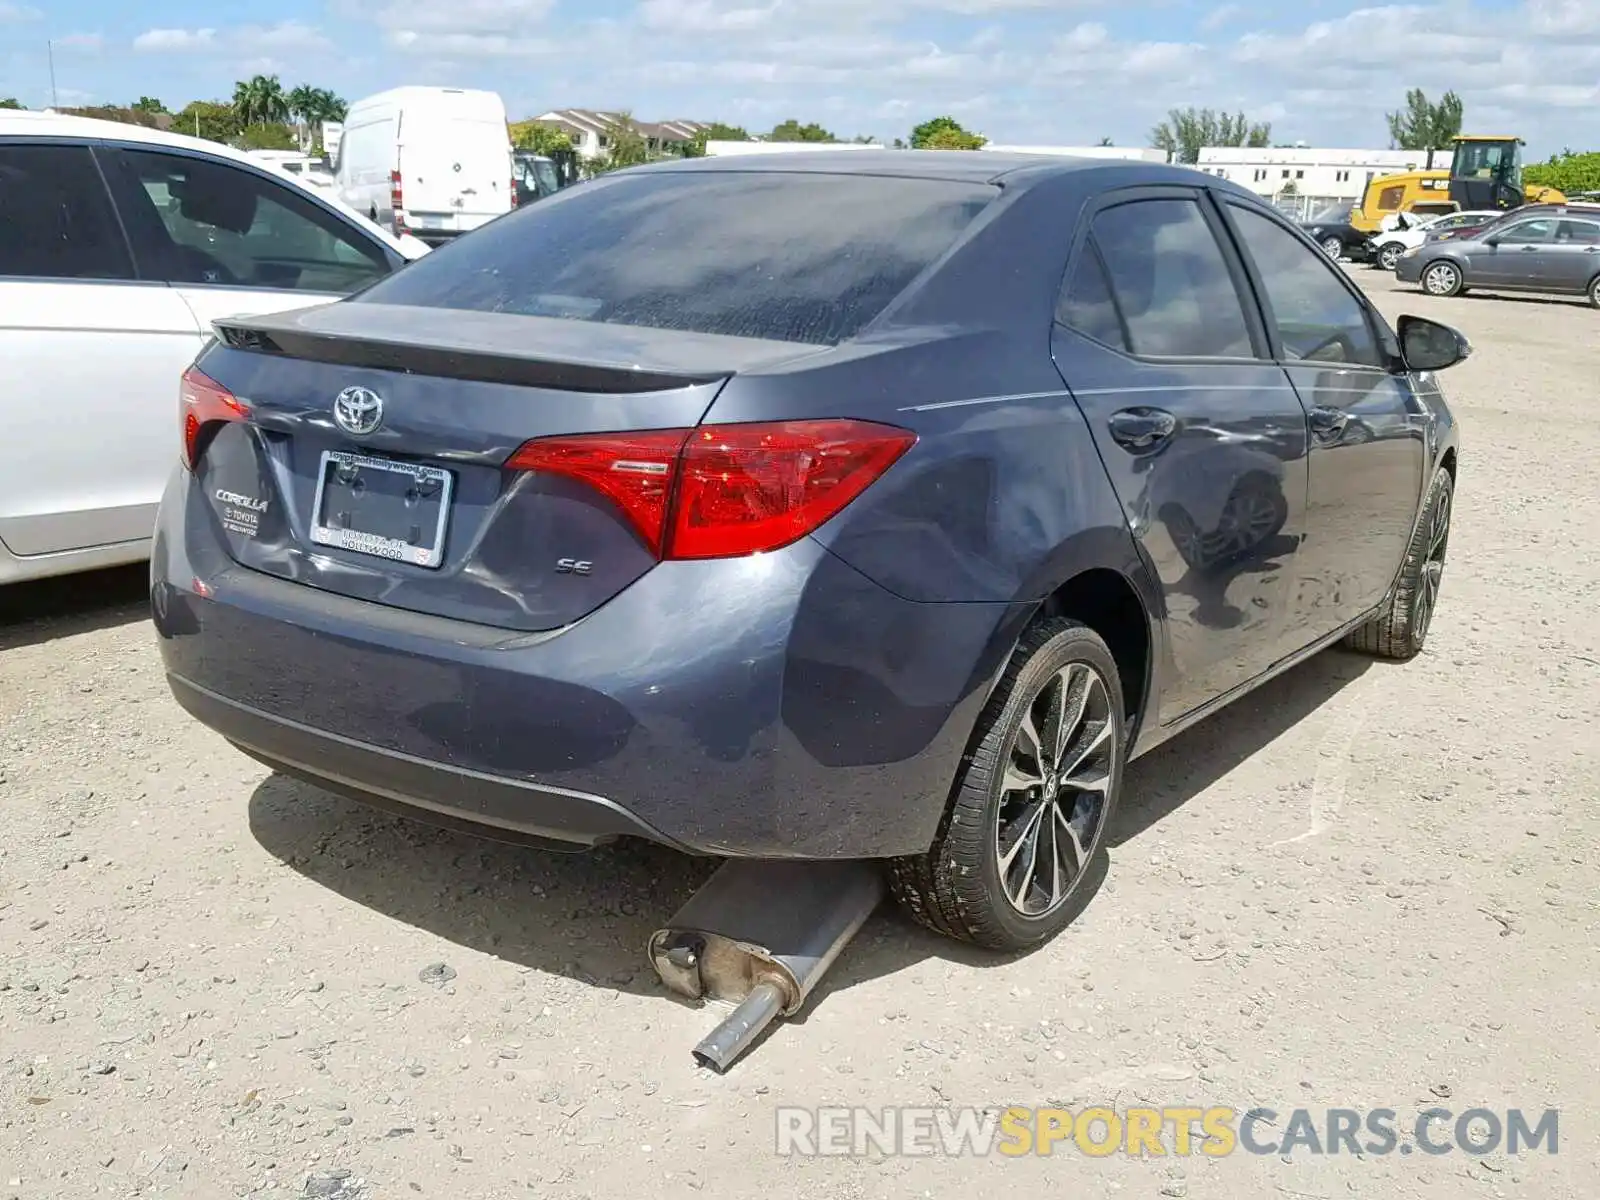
(433, 162)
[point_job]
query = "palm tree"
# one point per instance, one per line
(260, 101)
(302, 103)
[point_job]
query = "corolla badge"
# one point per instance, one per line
(358, 411)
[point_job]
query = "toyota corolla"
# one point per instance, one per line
(879, 505)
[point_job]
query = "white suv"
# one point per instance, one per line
(118, 247)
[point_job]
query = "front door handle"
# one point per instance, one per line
(1142, 429)
(1328, 422)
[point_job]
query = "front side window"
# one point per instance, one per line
(201, 221)
(1170, 280)
(56, 221)
(786, 257)
(1317, 317)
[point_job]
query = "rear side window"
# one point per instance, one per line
(1582, 233)
(1086, 304)
(56, 221)
(1170, 280)
(789, 257)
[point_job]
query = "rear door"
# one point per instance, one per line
(92, 358)
(455, 171)
(233, 240)
(1201, 434)
(1574, 260)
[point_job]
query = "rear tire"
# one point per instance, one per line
(1333, 248)
(1388, 256)
(1594, 291)
(1010, 863)
(1400, 630)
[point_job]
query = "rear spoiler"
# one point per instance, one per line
(488, 347)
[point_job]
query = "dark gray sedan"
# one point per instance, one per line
(1539, 253)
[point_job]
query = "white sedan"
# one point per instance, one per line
(1390, 244)
(119, 245)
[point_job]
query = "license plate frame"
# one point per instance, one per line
(375, 545)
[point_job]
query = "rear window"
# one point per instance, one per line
(789, 257)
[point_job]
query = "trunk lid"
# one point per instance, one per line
(420, 512)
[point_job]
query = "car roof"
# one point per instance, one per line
(963, 166)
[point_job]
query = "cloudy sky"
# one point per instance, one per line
(1050, 71)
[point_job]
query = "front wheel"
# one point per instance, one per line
(1389, 255)
(1009, 866)
(1441, 279)
(1400, 630)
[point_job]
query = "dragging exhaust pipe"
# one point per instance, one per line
(758, 936)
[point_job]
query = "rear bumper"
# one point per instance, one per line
(510, 809)
(775, 706)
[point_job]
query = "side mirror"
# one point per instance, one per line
(1429, 346)
(1492, 240)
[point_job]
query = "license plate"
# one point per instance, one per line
(383, 507)
(428, 222)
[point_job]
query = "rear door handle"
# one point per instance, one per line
(1328, 422)
(1142, 429)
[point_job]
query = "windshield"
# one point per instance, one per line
(1338, 214)
(1489, 160)
(789, 257)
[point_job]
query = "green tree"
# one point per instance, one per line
(625, 147)
(1105, 141)
(260, 101)
(1421, 125)
(12, 102)
(148, 104)
(1567, 172)
(945, 133)
(209, 119)
(268, 135)
(792, 131)
(715, 132)
(1185, 131)
(541, 139)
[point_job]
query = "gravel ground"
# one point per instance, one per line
(1365, 885)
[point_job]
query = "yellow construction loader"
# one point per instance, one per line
(1485, 173)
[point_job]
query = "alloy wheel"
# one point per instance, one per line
(1441, 279)
(1389, 257)
(1054, 789)
(1333, 248)
(1432, 568)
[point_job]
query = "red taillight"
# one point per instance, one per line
(397, 202)
(635, 470)
(513, 191)
(203, 402)
(725, 490)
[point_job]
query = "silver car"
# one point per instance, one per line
(1546, 252)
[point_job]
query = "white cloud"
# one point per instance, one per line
(286, 37)
(163, 40)
(86, 42)
(17, 12)
(1039, 71)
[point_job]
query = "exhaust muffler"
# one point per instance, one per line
(758, 936)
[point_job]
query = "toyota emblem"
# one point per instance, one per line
(358, 411)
